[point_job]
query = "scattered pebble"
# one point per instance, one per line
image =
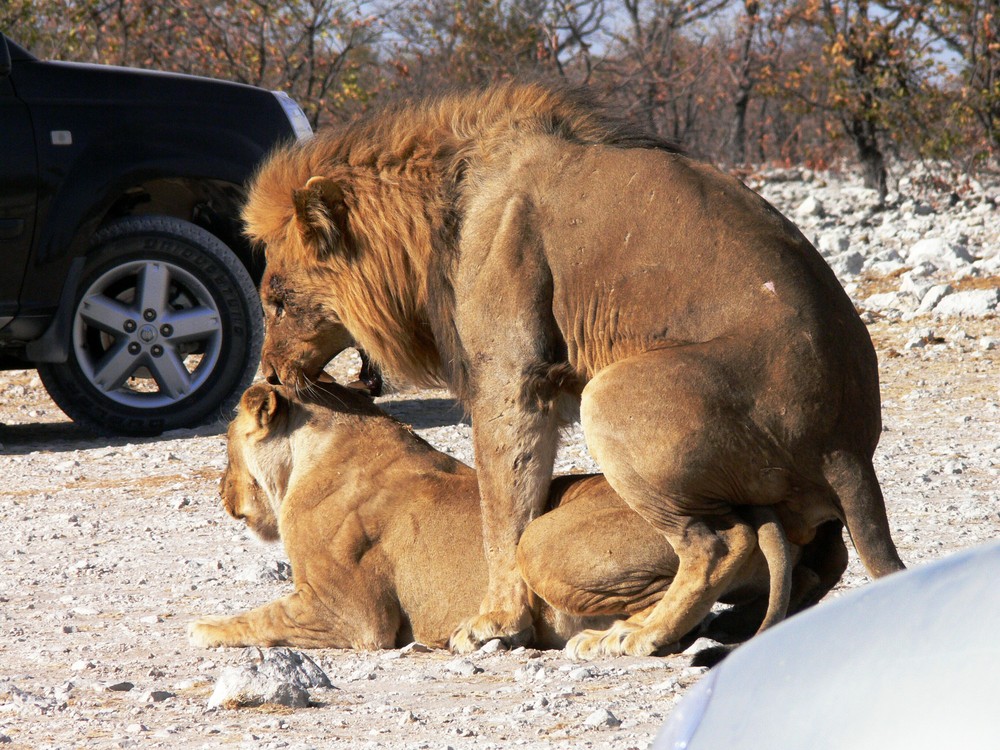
(602, 718)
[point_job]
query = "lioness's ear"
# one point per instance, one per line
(322, 216)
(266, 406)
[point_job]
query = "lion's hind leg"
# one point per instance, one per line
(674, 444)
(709, 560)
(593, 555)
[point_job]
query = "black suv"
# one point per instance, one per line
(125, 278)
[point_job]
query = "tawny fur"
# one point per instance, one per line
(536, 254)
(383, 535)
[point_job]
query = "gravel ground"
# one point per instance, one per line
(110, 547)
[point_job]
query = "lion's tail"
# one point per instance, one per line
(856, 486)
(777, 553)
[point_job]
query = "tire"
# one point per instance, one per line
(166, 331)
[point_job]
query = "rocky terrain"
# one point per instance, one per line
(110, 547)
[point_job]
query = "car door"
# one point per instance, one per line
(18, 187)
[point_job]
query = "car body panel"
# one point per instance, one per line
(910, 661)
(100, 131)
(18, 196)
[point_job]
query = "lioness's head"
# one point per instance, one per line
(278, 430)
(258, 462)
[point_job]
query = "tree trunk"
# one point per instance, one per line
(744, 85)
(863, 133)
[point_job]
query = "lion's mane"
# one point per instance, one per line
(406, 173)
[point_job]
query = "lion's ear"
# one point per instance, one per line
(322, 216)
(267, 406)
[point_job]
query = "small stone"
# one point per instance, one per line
(155, 696)
(119, 687)
(415, 648)
(847, 264)
(491, 646)
(883, 301)
(988, 344)
(581, 673)
(462, 667)
(700, 645)
(933, 296)
(940, 252)
(151, 619)
(833, 243)
(974, 303)
(602, 718)
(277, 675)
(810, 207)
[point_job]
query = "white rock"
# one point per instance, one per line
(700, 645)
(916, 289)
(940, 252)
(277, 675)
(933, 296)
(414, 648)
(811, 206)
(491, 646)
(988, 343)
(833, 243)
(602, 718)
(847, 264)
(462, 667)
(883, 301)
(974, 303)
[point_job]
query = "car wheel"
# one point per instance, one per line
(166, 330)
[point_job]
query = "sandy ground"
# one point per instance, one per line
(110, 547)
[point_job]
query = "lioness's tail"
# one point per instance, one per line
(854, 482)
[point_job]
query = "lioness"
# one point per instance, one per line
(536, 254)
(384, 535)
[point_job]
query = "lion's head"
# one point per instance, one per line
(304, 331)
(363, 221)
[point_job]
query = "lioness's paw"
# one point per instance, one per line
(621, 639)
(209, 632)
(473, 633)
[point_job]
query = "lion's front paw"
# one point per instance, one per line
(621, 639)
(209, 632)
(513, 631)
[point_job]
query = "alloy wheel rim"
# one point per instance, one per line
(147, 334)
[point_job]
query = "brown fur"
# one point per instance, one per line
(535, 254)
(369, 515)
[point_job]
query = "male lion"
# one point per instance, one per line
(384, 536)
(534, 253)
